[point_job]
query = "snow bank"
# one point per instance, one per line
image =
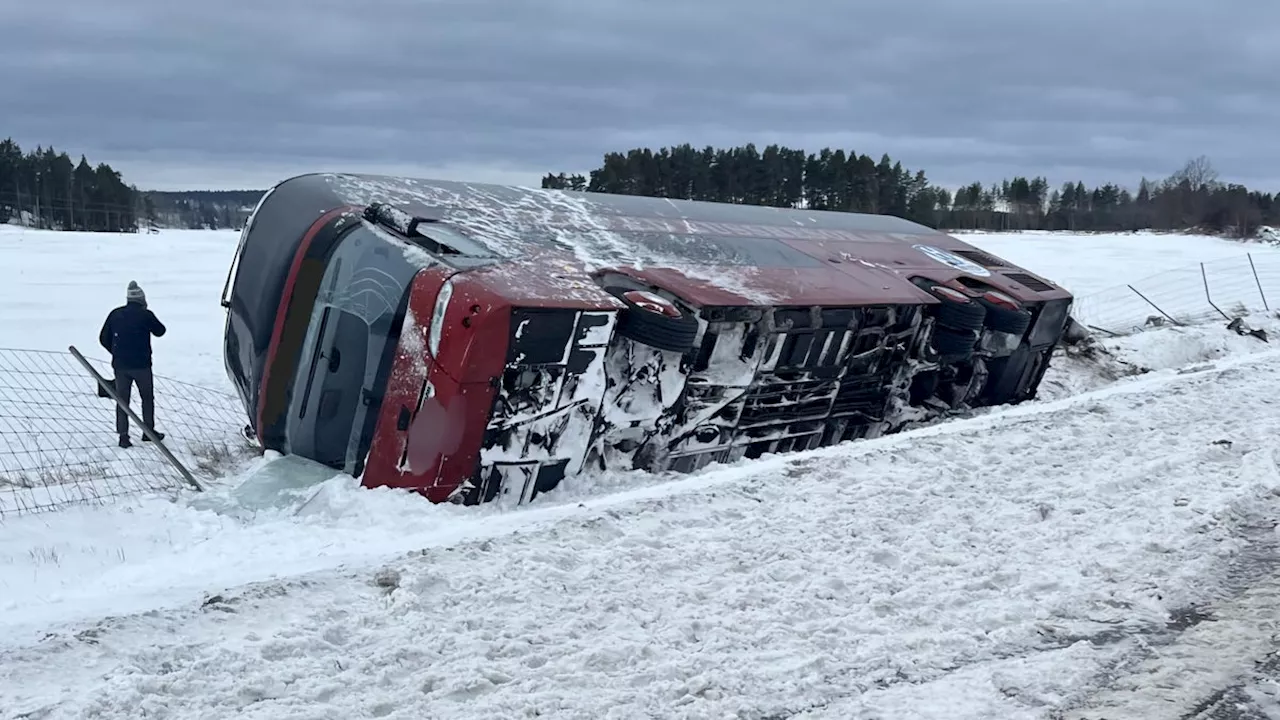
(1157, 350)
(955, 571)
(867, 580)
(133, 556)
(149, 552)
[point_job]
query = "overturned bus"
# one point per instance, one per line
(474, 341)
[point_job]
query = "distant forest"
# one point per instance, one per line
(1190, 199)
(44, 188)
(204, 209)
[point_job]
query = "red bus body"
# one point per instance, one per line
(473, 341)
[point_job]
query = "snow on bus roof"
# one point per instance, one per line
(727, 246)
(605, 229)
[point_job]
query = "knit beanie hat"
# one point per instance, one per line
(135, 294)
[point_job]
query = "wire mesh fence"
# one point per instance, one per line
(1217, 290)
(58, 442)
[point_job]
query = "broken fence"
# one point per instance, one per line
(1217, 290)
(58, 440)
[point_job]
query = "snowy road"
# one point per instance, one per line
(1008, 566)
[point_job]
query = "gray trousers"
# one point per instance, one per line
(125, 379)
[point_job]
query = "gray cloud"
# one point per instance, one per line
(244, 93)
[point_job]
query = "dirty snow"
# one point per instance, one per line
(1010, 565)
(1158, 350)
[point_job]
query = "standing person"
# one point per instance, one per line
(126, 334)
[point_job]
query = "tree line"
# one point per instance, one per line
(1192, 198)
(204, 209)
(44, 188)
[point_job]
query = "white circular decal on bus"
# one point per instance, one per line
(954, 261)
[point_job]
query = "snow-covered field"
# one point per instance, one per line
(1124, 281)
(1086, 263)
(59, 288)
(1010, 565)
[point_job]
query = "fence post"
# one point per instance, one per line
(102, 383)
(1157, 307)
(1205, 277)
(1258, 282)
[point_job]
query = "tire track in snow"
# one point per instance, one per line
(860, 580)
(1214, 659)
(1218, 661)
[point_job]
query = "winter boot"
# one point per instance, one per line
(147, 438)
(125, 442)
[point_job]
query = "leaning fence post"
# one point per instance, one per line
(102, 383)
(1205, 277)
(1157, 307)
(1258, 282)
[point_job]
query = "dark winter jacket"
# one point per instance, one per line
(127, 336)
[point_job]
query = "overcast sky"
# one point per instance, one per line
(241, 94)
